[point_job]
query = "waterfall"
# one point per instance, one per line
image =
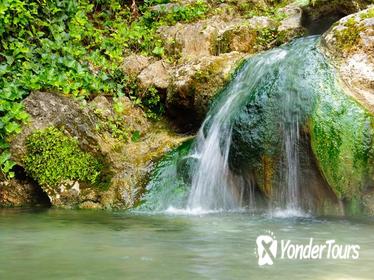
(252, 150)
(214, 185)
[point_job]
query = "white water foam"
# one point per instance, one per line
(287, 213)
(198, 211)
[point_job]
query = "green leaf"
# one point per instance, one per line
(4, 157)
(135, 136)
(12, 127)
(159, 51)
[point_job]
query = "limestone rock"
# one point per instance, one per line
(156, 74)
(195, 83)
(322, 8)
(48, 109)
(127, 162)
(350, 45)
(242, 35)
(134, 64)
(192, 40)
(21, 192)
(293, 18)
(368, 203)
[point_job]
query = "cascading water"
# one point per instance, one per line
(275, 74)
(214, 185)
(254, 143)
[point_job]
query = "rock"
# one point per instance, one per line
(322, 8)
(242, 36)
(156, 74)
(342, 122)
(195, 83)
(350, 46)
(102, 106)
(191, 40)
(293, 18)
(21, 192)
(134, 64)
(222, 34)
(48, 109)
(368, 203)
(126, 162)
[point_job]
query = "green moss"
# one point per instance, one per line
(168, 184)
(270, 9)
(348, 37)
(342, 140)
(52, 157)
(368, 14)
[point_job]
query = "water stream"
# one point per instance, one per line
(259, 120)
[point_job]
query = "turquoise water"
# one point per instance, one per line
(68, 244)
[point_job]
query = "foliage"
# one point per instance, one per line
(272, 9)
(75, 47)
(53, 157)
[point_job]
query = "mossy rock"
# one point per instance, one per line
(342, 134)
(169, 180)
(342, 125)
(53, 158)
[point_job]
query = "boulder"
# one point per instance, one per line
(350, 46)
(368, 203)
(342, 121)
(293, 18)
(133, 64)
(322, 8)
(103, 132)
(191, 40)
(156, 75)
(242, 35)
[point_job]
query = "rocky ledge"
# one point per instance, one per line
(66, 140)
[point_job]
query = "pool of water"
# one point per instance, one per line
(68, 244)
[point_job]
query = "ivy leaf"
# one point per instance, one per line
(4, 157)
(8, 165)
(159, 51)
(12, 127)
